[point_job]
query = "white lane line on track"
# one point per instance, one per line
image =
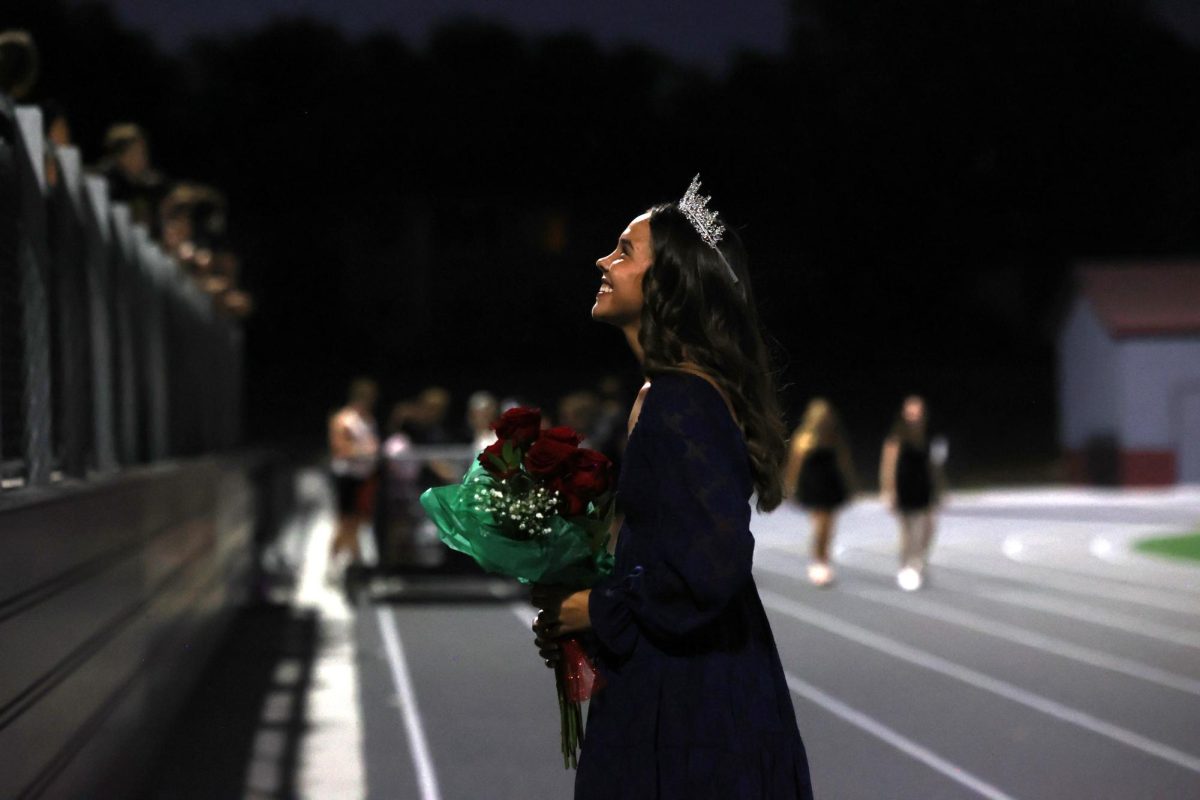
(1114, 620)
(1086, 587)
(1038, 552)
(899, 741)
(1037, 641)
(418, 748)
(1127, 623)
(920, 658)
(1013, 633)
(831, 704)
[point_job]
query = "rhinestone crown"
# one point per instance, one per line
(695, 207)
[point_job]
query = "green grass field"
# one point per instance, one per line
(1186, 546)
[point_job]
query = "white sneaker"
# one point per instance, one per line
(820, 575)
(908, 579)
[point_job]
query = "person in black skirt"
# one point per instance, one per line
(820, 475)
(911, 485)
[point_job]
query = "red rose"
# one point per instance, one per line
(519, 425)
(563, 434)
(587, 475)
(550, 452)
(493, 460)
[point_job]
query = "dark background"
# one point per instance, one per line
(914, 181)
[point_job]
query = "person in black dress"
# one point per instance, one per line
(911, 484)
(696, 703)
(820, 475)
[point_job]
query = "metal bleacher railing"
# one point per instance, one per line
(132, 519)
(110, 354)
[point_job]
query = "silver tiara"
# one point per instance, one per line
(695, 207)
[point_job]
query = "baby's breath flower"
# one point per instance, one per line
(522, 507)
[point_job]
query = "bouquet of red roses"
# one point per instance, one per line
(537, 507)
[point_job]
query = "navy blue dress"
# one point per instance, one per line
(696, 705)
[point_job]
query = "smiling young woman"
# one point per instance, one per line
(696, 704)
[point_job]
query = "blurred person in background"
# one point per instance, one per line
(482, 410)
(175, 222)
(609, 430)
(18, 64)
(57, 131)
(131, 178)
(354, 457)
(820, 474)
(911, 483)
(426, 425)
(191, 224)
(398, 512)
(579, 411)
(55, 124)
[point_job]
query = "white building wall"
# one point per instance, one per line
(1155, 375)
(1087, 379)
(1188, 435)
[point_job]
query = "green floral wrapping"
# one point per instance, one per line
(564, 552)
(572, 554)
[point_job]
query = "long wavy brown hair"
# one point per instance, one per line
(694, 313)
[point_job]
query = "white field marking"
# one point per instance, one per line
(1012, 547)
(1055, 497)
(1037, 641)
(1111, 550)
(1113, 620)
(1126, 623)
(1086, 586)
(950, 669)
(896, 740)
(1102, 549)
(1025, 551)
(413, 727)
(874, 727)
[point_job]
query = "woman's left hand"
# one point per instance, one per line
(563, 613)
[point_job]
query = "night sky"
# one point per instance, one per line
(700, 32)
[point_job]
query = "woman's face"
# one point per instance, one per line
(914, 411)
(619, 301)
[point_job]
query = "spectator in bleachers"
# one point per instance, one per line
(131, 177)
(192, 220)
(57, 131)
(18, 64)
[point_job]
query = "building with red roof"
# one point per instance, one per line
(1129, 375)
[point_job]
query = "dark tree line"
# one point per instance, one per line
(914, 181)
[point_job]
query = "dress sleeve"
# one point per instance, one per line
(700, 549)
